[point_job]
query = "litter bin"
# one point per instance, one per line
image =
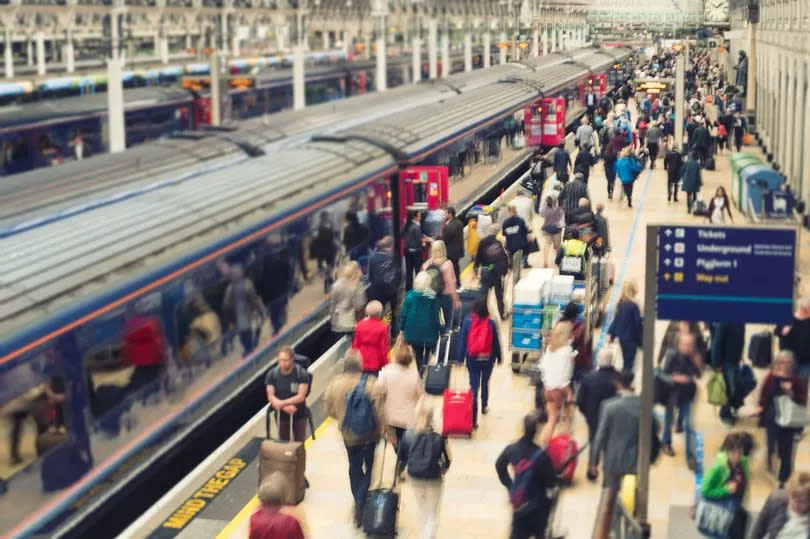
(756, 180)
(740, 160)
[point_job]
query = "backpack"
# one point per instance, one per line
(359, 419)
(523, 493)
(387, 276)
(424, 455)
(716, 388)
(436, 278)
(496, 256)
(479, 339)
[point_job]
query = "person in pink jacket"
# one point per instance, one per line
(447, 296)
(371, 338)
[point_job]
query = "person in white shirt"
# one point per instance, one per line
(523, 206)
(557, 369)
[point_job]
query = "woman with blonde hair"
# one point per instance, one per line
(627, 325)
(443, 279)
(786, 513)
(557, 369)
(401, 389)
(424, 452)
(347, 299)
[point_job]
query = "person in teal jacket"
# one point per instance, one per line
(730, 476)
(692, 180)
(419, 319)
(627, 169)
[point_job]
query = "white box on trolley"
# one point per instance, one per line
(533, 288)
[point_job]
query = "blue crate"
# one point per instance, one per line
(522, 320)
(526, 339)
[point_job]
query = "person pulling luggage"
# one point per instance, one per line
(351, 400)
(480, 346)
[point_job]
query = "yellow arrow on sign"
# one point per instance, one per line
(667, 276)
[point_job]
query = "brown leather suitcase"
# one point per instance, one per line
(289, 458)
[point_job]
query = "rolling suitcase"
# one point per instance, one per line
(289, 458)
(760, 349)
(457, 412)
(382, 506)
(63, 465)
(710, 164)
(437, 376)
(563, 451)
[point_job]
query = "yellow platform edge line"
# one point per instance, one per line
(251, 506)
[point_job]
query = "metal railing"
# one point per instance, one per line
(614, 521)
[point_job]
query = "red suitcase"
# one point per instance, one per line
(457, 415)
(563, 450)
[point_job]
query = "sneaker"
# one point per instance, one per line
(679, 428)
(484, 410)
(691, 463)
(667, 450)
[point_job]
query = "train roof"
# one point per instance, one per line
(30, 113)
(67, 269)
(28, 196)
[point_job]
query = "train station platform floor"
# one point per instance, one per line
(474, 504)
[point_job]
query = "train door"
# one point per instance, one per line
(553, 120)
(423, 188)
(202, 112)
(533, 123)
(358, 83)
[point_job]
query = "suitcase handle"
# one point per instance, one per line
(269, 436)
(382, 466)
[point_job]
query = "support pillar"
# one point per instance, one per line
(29, 50)
(115, 38)
(416, 64)
(487, 49)
(70, 55)
(367, 46)
(535, 42)
(188, 40)
(40, 54)
(468, 51)
(783, 111)
(446, 51)
(804, 188)
(501, 50)
(545, 42)
(553, 39)
(156, 46)
(299, 87)
(433, 71)
(790, 119)
(679, 97)
(115, 106)
(751, 92)
(799, 113)
(164, 49)
(9, 56)
(327, 41)
(382, 68)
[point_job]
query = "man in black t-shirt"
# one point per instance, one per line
(287, 387)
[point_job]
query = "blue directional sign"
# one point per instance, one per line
(726, 274)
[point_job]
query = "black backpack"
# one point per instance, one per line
(496, 257)
(436, 278)
(386, 276)
(424, 454)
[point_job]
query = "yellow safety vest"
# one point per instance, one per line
(574, 248)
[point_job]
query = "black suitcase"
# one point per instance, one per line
(437, 376)
(760, 349)
(467, 296)
(710, 165)
(63, 465)
(382, 506)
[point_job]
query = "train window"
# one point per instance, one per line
(33, 396)
(15, 154)
(199, 329)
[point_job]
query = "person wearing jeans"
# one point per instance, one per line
(479, 363)
(359, 446)
(682, 367)
(782, 380)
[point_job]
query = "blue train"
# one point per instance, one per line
(126, 327)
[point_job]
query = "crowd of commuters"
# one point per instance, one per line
(391, 376)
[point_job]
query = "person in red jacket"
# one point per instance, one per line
(273, 519)
(371, 338)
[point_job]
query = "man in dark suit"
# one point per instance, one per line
(453, 236)
(597, 387)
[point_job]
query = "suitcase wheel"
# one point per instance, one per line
(515, 362)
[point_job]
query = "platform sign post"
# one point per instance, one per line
(729, 274)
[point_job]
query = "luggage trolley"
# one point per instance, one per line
(526, 328)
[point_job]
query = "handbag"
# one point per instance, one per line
(790, 414)
(551, 229)
(714, 518)
(532, 247)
